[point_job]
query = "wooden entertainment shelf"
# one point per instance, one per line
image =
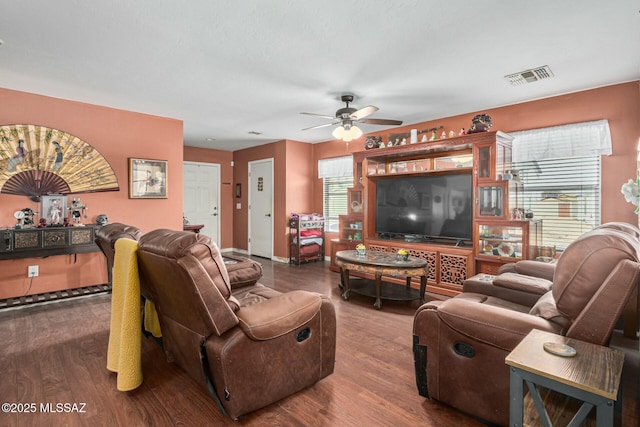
(486, 156)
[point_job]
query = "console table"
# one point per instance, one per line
(381, 264)
(41, 242)
(591, 376)
(195, 228)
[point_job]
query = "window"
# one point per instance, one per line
(335, 200)
(564, 193)
(337, 176)
(559, 169)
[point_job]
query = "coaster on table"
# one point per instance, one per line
(559, 349)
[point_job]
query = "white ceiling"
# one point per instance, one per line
(230, 67)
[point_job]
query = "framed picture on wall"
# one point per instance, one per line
(147, 179)
(54, 209)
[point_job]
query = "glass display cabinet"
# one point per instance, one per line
(354, 198)
(502, 242)
(351, 228)
(491, 201)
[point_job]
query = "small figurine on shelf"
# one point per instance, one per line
(77, 211)
(28, 217)
(371, 142)
(452, 134)
(444, 135)
(55, 211)
(433, 136)
(102, 219)
(462, 132)
(480, 123)
(424, 138)
(42, 223)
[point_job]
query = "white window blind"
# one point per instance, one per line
(337, 176)
(559, 168)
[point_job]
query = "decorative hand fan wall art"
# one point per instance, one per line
(36, 160)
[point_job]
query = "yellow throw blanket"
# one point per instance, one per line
(151, 322)
(125, 335)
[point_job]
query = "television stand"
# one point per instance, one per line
(449, 265)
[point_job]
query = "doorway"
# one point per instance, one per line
(260, 198)
(201, 199)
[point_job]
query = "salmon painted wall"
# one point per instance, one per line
(619, 104)
(227, 187)
(117, 135)
(300, 178)
(299, 183)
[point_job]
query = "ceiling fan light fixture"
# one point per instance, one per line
(347, 132)
(356, 132)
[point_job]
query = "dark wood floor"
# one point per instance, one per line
(56, 353)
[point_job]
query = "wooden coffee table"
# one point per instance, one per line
(381, 264)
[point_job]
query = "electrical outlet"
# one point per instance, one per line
(33, 271)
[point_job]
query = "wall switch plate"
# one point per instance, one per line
(33, 271)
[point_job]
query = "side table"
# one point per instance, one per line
(591, 376)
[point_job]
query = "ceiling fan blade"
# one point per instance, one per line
(320, 115)
(381, 122)
(321, 126)
(363, 112)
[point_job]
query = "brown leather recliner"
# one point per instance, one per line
(105, 239)
(250, 348)
(242, 271)
(460, 344)
(518, 281)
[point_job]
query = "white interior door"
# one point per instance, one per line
(261, 208)
(201, 185)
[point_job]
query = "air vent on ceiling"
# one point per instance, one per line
(529, 76)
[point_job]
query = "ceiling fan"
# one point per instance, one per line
(347, 117)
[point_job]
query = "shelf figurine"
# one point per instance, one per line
(77, 211)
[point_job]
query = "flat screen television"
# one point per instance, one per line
(424, 207)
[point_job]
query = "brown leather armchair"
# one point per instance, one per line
(460, 344)
(250, 348)
(106, 237)
(517, 281)
(242, 271)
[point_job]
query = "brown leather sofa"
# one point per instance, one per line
(106, 237)
(250, 347)
(460, 344)
(242, 271)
